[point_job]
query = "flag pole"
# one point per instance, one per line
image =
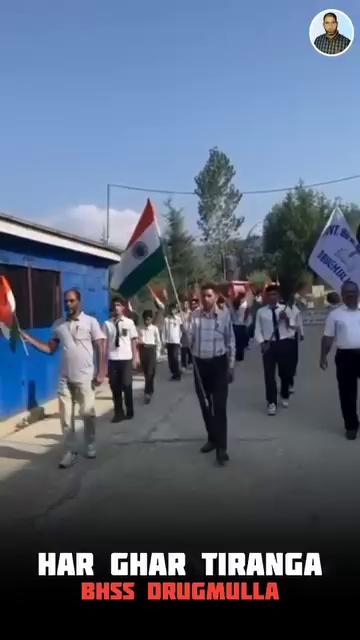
(19, 332)
(196, 368)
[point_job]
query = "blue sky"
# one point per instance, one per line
(138, 92)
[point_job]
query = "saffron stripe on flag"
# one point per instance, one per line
(145, 221)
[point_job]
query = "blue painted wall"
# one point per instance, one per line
(26, 382)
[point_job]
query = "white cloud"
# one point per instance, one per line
(89, 221)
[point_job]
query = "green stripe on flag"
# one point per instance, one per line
(140, 276)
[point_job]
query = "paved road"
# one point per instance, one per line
(292, 479)
(298, 459)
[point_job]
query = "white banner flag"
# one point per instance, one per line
(336, 256)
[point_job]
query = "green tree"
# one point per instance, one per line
(179, 244)
(291, 230)
(218, 201)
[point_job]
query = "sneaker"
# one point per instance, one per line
(147, 398)
(272, 410)
(291, 390)
(68, 460)
(351, 434)
(91, 451)
(284, 403)
(207, 447)
(118, 418)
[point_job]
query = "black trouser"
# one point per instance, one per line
(278, 354)
(214, 377)
(240, 332)
(120, 378)
(348, 371)
(173, 353)
(148, 365)
(186, 357)
(294, 359)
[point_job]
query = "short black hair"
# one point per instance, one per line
(172, 306)
(333, 15)
(221, 299)
(333, 297)
(118, 301)
(76, 292)
(147, 313)
(209, 285)
(271, 288)
(349, 283)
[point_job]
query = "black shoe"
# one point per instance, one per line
(351, 434)
(208, 446)
(118, 417)
(221, 457)
(129, 416)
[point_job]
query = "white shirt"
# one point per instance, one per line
(127, 333)
(150, 336)
(211, 335)
(76, 338)
(238, 315)
(171, 331)
(343, 324)
(264, 328)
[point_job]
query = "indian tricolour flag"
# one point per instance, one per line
(143, 259)
(8, 320)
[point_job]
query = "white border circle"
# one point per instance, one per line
(340, 15)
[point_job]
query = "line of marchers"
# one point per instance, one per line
(174, 564)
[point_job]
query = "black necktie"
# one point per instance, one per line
(117, 337)
(275, 325)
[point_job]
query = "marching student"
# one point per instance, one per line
(212, 344)
(256, 304)
(186, 359)
(333, 300)
(275, 332)
(194, 303)
(149, 349)
(121, 335)
(343, 327)
(221, 303)
(171, 337)
(239, 315)
(299, 337)
(78, 337)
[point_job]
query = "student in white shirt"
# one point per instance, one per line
(275, 332)
(333, 300)
(239, 315)
(171, 336)
(343, 327)
(149, 349)
(299, 336)
(121, 335)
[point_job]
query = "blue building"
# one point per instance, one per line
(41, 264)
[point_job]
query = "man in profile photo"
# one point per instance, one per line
(331, 42)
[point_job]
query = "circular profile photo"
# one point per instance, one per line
(331, 32)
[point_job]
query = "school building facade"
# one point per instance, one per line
(40, 264)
